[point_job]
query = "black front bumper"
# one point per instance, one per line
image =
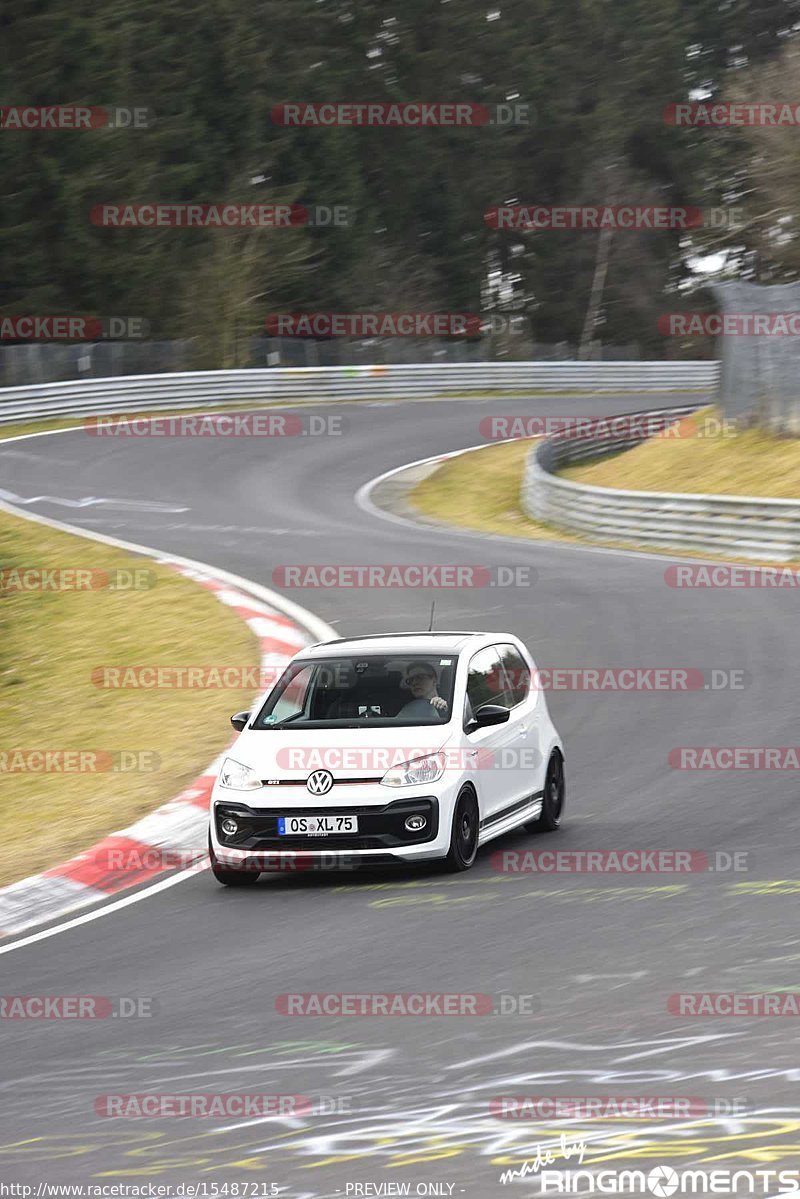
(379, 827)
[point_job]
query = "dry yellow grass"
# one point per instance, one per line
(50, 641)
(481, 490)
(747, 462)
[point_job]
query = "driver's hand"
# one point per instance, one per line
(439, 703)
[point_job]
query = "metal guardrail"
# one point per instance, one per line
(140, 393)
(737, 526)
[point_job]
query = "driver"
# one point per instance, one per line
(422, 680)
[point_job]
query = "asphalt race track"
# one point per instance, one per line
(600, 953)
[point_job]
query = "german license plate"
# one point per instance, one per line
(316, 826)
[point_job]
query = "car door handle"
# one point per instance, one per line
(523, 732)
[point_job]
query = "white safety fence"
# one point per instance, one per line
(197, 389)
(737, 526)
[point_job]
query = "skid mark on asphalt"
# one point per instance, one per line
(401, 1112)
(427, 891)
(398, 1137)
(92, 501)
(559, 895)
(181, 527)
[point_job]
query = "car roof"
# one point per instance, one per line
(419, 642)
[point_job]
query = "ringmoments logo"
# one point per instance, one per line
(664, 1181)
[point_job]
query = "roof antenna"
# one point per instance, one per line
(430, 626)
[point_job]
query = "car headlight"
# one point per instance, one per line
(237, 777)
(418, 770)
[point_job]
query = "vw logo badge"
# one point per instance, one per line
(320, 782)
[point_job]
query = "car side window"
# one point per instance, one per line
(517, 674)
(486, 682)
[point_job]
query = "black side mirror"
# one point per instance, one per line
(490, 714)
(239, 720)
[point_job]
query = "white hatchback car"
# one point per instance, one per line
(384, 749)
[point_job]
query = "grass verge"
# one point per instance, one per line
(50, 641)
(480, 490)
(744, 462)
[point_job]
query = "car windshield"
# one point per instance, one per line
(375, 690)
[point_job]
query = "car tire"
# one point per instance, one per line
(552, 798)
(464, 832)
(229, 876)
